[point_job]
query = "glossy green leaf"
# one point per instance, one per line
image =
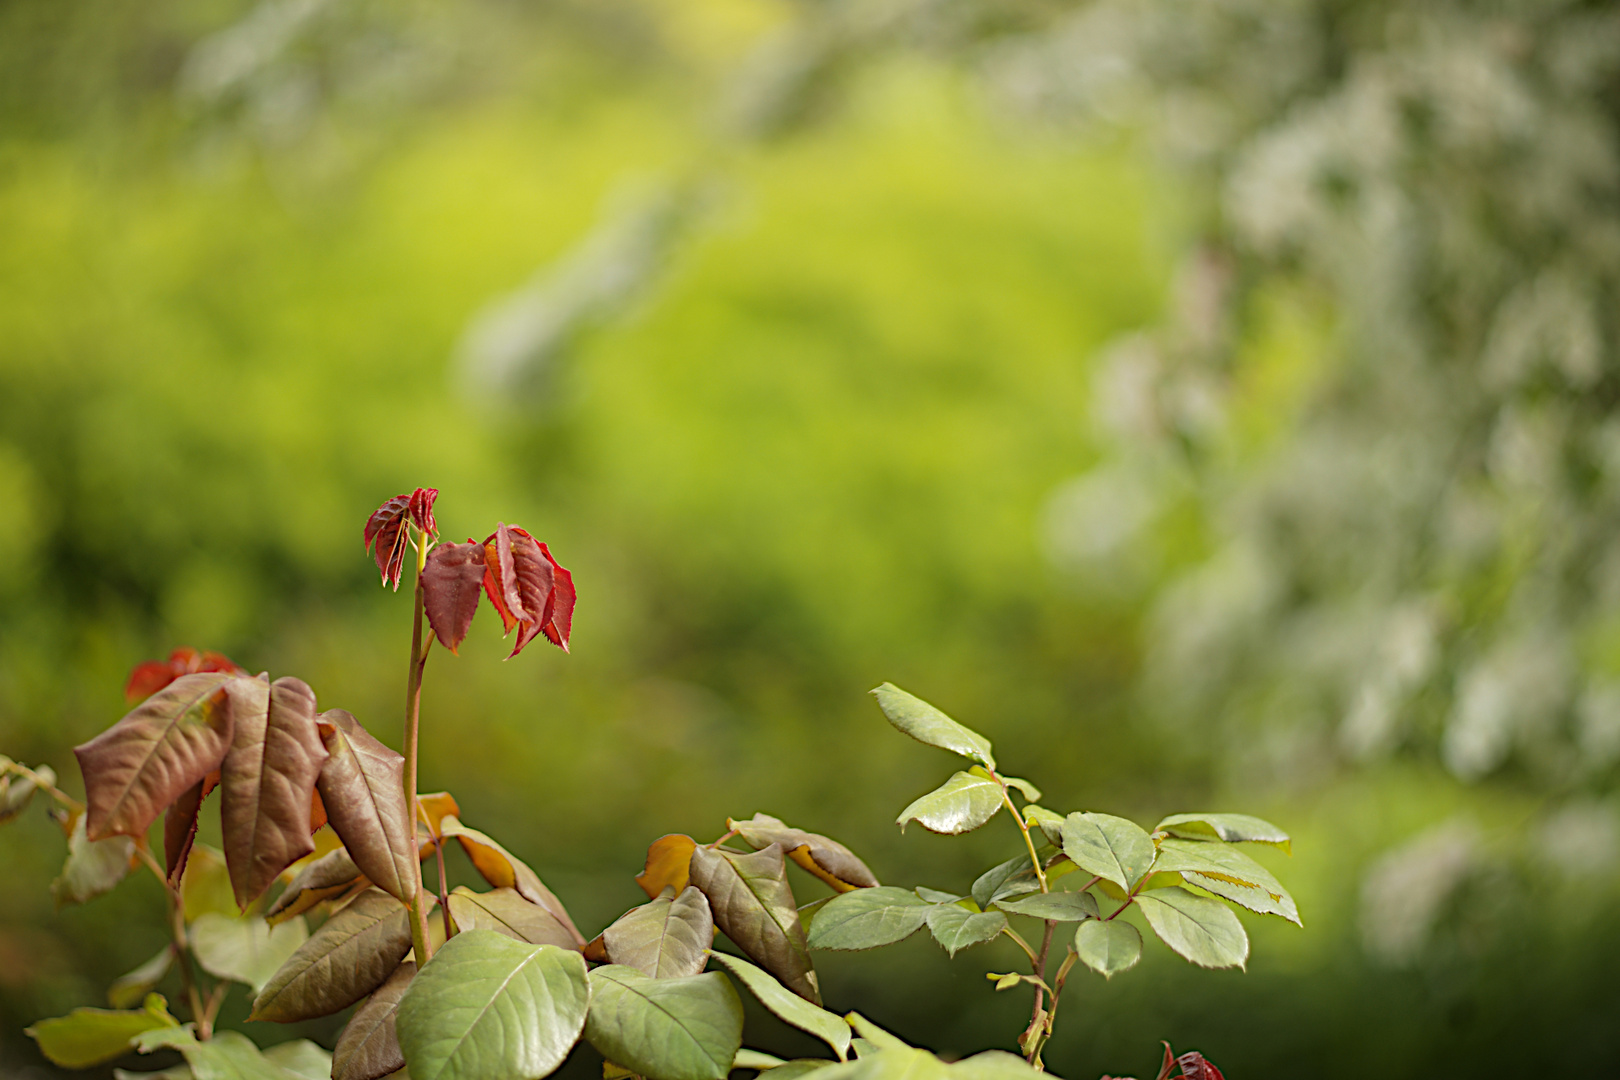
(827, 859)
(86, 1037)
(127, 990)
(1012, 878)
(1228, 872)
(869, 918)
(757, 1060)
(1030, 792)
(915, 717)
(935, 896)
(302, 1057)
(92, 867)
(961, 804)
(1111, 847)
(1108, 947)
(229, 1055)
(788, 1006)
(665, 1029)
(666, 938)
(753, 905)
(1200, 929)
(956, 928)
(1061, 906)
(329, 876)
(368, 1047)
(1050, 823)
(347, 958)
(1233, 828)
(490, 1006)
(245, 949)
(874, 1035)
(505, 911)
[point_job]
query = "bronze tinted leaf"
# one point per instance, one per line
(333, 874)
(362, 787)
(347, 958)
(666, 938)
(500, 578)
(506, 912)
(753, 905)
(451, 582)
(529, 588)
(669, 860)
(388, 539)
(504, 870)
(828, 860)
(561, 621)
(269, 778)
(163, 746)
(368, 1048)
(180, 826)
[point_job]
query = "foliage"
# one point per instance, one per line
(508, 988)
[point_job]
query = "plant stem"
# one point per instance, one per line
(179, 943)
(1021, 943)
(413, 714)
(1023, 827)
(444, 897)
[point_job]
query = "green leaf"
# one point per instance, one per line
(807, 912)
(206, 884)
(181, 1071)
(1111, 847)
(1061, 906)
(994, 1065)
(487, 1005)
(756, 1059)
(754, 907)
(1228, 872)
(302, 1057)
(1030, 792)
(1051, 823)
(915, 717)
(1108, 947)
(504, 870)
(828, 860)
(368, 1047)
(666, 938)
(229, 1055)
(347, 958)
(874, 1035)
(869, 918)
(956, 928)
(788, 1006)
(792, 1070)
(17, 791)
(86, 1037)
(127, 990)
(665, 1029)
(93, 866)
(245, 950)
(935, 896)
(1012, 878)
(1201, 929)
(961, 804)
(1233, 828)
(505, 911)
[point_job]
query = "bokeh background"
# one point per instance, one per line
(1213, 403)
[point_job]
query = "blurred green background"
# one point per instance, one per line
(1212, 404)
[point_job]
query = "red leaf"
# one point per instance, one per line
(421, 510)
(387, 538)
(1169, 1063)
(500, 578)
(1194, 1066)
(530, 589)
(153, 675)
(450, 584)
(180, 826)
(562, 608)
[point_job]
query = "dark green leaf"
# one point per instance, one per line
(1227, 871)
(86, 1037)
(127, 990)
(828, 860)
(92, 867)
(1051, 824)
(666, 938)
(926, 724)
(754, 907)
(490, 1006)
(1012, 878)
(1233, 828)
(961, 804)
(245, 949)
(665, 1029)
(346, 959)
(1061, 906)
(1201, 929)
(869, 918)
(956, 928)
(368, 1047)
(935, 896)
(788, 1006)
(506, 912)
(1111, 847)
(1108, 947)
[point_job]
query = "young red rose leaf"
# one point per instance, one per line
(451, 582)
(148, 678)
(1169, 1064)
(1194, 1066)
(351, 955)
(163, 746)
(269, 778)
(557, 627)
(180, 826)
(528, 587)
(362, 786)
(500, 578)
(368, 1048)
(387, 537)
(753, 906)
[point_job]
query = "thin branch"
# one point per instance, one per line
(1023, 827)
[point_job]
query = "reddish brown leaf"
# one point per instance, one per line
(141, 764)
(180, 826)
(561, 622)
(362, 787)
(1169, 1063)
(317, 811)
(368, 1048)
(387, 537)
(353, 953)
(753, 905)
(331, 875)
(528, 587)
(500, 578)
(451, 582)
(596, 950)
(827, 859)
(669, 861)
(1194, 1066)
(148, 678)
(276, 754)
